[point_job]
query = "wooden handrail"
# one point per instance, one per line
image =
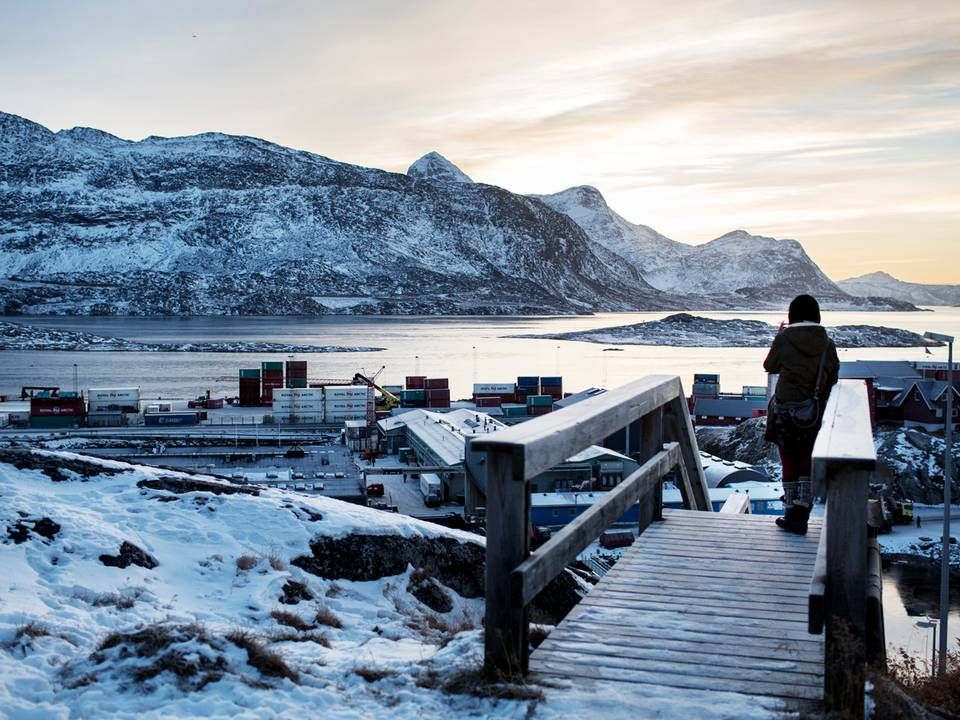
(843, 459)
(516, 455)
(536, 572)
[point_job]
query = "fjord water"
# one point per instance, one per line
(465, 349)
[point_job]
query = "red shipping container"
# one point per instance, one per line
(439, 394)
(493, 401)
(438, 403)
(47, 407)
(214, 403)
(436, 383)
(538, 409)
(415, 382)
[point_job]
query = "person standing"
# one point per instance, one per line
(808, 366)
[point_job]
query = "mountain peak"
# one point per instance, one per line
(434, 167)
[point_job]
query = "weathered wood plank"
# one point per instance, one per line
(505, 642)
(662, 679)
(550, 439)
(742, 568)
(670, 585)
(699, 596)
(707, 665)
(650, 443)
(723, 540)
(535, 573)
(717, 613)
(818, 586)
(679, 427)
(770, 556)
(846, 435)
(736, 504)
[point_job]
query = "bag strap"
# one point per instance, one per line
(816, 388)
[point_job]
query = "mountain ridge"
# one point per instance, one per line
(214, 224)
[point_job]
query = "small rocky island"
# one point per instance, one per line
(17, 336)
(685, 330)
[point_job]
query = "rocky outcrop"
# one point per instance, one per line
(129, 555)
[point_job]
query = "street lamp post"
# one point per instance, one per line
(947, 480)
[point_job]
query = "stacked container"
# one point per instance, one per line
(504, 392)
(539, 404)
(552, 386)
(416, 382)
(302, 405)
(348, 402)
(114, 400)
(413, 398)
(486, 402)
(57, 410)
(438, 392)
(527, 385)
(271, 378)
(513, 410)
(296, 373)
(706, 385)
(250, 387)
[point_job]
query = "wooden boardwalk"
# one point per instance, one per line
(702, 601)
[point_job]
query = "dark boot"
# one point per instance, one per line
(795, 519)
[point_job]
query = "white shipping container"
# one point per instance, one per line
(333, 417)
(286, 394)
(356, 405)
(340, 392)
(493, 388)
(125, 395)
(111, 406)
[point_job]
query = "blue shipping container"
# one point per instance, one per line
(171, 418)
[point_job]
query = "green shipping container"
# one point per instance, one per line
(540, 400)
(296, 382)
(54, 421)
(514, 410)
(253, 373)
(414, 395)
(271, 366)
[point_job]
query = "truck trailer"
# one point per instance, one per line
(431, 489)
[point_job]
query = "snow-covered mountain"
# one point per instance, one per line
(219, 224)
(434, 167)
(735, 270)
(881, 283)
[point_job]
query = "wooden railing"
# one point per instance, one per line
(655, 409)
(843, 460)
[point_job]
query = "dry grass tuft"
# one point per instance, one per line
(373, 674)
(326, 616)
(31, 630)
(291, 636)
(285, 617)
(247, 562)
(913, 675)
(267, 661)
(276, 561)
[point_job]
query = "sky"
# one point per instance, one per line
(834, 123)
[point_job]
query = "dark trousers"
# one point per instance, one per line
(795, 461)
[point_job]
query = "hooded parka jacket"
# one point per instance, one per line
(795, 355)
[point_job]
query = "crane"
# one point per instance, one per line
(390, 400)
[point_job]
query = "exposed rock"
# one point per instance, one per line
(20, 531)
(188, 485)
(457, 565)
(294, 592)
(430, 593)
(53, 467)
(129, 555)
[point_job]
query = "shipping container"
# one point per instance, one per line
(436, 383)
(493, 389)
(351, 405)
(493, 401)
(171, 418)
(512, 410)
(56, 406)
(214, 403)
(436, 404)
(706, 378)
(271, 365)
(413, 395)
(555, 380)
(53, 422)
(347, 391)
(540, 400)
(250, 373)
(438, 394)
(297, 368)
(125, 396)
(296, 382)
(754, 390)
(415, 382)
(539, 409)
(706, 390)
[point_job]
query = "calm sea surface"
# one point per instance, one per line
(466, 350)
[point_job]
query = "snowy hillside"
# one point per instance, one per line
(219, 224)
(129, 591)
(737, 270)
(881, 283)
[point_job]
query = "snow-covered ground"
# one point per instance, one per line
(218, 620)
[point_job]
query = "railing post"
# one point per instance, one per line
(508, 538)
(846, 590)
(693, 484)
